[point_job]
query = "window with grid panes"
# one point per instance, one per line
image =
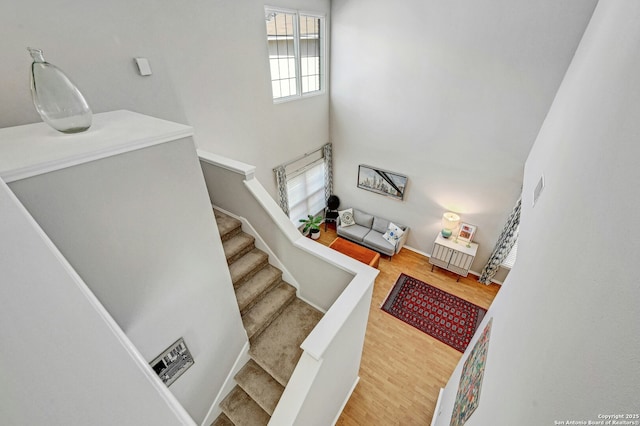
(296, 53)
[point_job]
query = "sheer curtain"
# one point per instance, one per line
(503, 247)
(305, 183)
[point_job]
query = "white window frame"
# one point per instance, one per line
(298, 61)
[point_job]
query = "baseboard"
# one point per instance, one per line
(260, 244)
(273, 259)
(436, 412)
(415, 250)
(477, 274)
(229, 383)
(344, 403)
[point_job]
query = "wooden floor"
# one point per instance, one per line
(403, 368)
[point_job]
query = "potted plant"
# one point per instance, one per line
(312, 225)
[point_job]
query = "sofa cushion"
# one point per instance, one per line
(380, 225)
(362, 218)
(376, 242)
(353, 232)
(393, 234)
(346, 217)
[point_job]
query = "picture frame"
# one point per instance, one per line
(382, 181)
(466, 232)
(468, 395)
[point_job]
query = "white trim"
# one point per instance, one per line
(324, 80)
(477, 274)
(415, 250)
(227, 386)
(435, 412)
(273, 259)
(228, 164)
(260, 244)
(35, 149)
(161, 389)
(344, 403)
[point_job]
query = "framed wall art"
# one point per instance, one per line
(381, 181)
(468, 396)
(466, 232)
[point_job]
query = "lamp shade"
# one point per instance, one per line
(450, 220)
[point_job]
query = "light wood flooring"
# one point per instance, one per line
(403, 368)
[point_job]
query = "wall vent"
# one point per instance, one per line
(538, 190)
(174, 361)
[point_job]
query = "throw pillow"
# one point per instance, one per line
(346, 217)
(393, 234)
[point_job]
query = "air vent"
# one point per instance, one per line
(538, 190)
(174, 361)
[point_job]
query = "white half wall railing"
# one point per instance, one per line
(328, 369)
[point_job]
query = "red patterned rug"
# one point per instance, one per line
(439, 314)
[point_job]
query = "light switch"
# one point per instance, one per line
(143, 66)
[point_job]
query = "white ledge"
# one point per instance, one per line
(228, 164)
(34, 149)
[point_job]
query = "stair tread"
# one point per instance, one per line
(242, 410)
(264, 279)
(222, 420)
(248, 264)
(277, 349)
(227, 225)
(267, 308)
(236, 245)
(260, 386)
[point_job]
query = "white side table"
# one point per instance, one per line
(453, 256)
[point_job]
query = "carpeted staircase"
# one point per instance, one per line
(276, 322)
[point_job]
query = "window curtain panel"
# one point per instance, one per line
(281, 178)
(328, 171)
(505, 243)
(281, 182)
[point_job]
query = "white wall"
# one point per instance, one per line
(139, 229)
(209, 61)
(564, 343)
(65, 361)
(451, 94)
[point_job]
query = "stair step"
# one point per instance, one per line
(264, 312)
(245, 267)
(242, 410)
(222, 420)
(237, 246)
(277, 349)
(227, 226)
(248, 293)
(260, 386)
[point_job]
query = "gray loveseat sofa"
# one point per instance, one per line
(368, 231)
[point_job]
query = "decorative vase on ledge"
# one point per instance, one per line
(56, 98)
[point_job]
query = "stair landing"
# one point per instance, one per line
(277, 349)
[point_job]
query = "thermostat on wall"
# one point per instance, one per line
(144, 68)
(174, 361)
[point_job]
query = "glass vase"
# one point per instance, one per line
(56, 98)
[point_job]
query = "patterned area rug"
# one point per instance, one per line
(439, 314)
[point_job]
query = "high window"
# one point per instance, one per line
(296, 53)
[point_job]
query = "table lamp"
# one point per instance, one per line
(450, 222)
